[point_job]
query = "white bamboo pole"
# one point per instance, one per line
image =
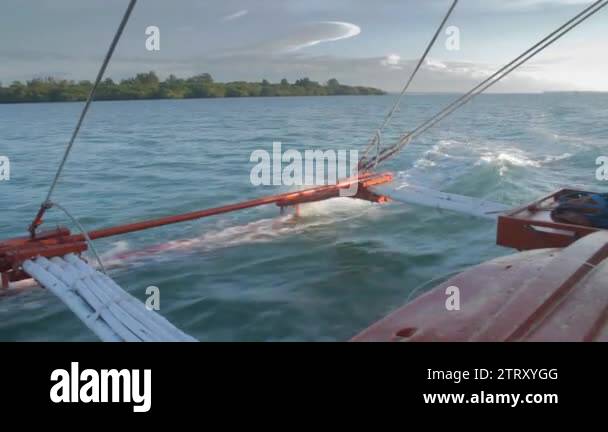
(116, 304)
(104, 309)
(73, 280)
(136, 311)
(103, 299)
(151, 316)
(412, 194)
(76, 304)
(110, 312)
(154, 321)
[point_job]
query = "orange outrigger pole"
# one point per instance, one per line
(61, 241)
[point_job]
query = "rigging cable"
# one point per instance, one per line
(47, 204)
(487, 83)
(85, 234)
(376, 139)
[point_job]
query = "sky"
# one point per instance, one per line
(359, 42)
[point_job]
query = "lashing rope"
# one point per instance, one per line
(84, 233)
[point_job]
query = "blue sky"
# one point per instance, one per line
(357, 41)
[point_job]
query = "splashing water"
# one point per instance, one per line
(312, 215)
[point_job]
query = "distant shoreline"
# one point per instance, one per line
(147, 86)
(188, 99)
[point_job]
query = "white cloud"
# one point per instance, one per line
(392, 61)
(436, 65)
(235, 15)
(580, 66)
(528, 3)
(523, 4)
(315, 34)
(304, 36)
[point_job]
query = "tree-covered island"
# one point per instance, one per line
(149, 86)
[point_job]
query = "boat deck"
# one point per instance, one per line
(531, 227)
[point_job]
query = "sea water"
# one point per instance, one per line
(256, 275)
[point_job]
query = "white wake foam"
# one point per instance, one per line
(312, 215)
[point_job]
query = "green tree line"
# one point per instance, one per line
(149, 86)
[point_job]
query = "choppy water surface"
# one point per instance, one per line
(254, 275)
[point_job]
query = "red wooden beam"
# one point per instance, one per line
(320, 193)
(59, 242)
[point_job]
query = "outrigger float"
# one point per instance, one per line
(556, 289)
